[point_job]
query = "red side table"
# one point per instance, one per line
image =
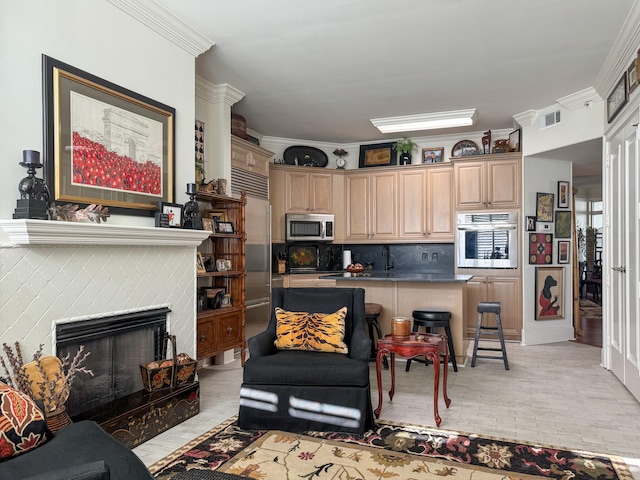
(433, 346)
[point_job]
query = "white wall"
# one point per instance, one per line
(101, 39)
(542, 175)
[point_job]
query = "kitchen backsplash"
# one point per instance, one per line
(416, 258)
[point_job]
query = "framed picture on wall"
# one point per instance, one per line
(563, 195)
(563, 224)
(563, 251)
(105, 144)
(540, 248)
(432, 155)
(544, 207)
(617, 98)
(549, 293)
(377, 155)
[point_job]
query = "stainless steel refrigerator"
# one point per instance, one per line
(258, 262)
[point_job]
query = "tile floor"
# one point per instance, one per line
(553, 394)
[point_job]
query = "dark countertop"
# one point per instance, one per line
(400, 277)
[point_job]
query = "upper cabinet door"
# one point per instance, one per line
(470, 185)
(321, 192)
(503, 188)
(297, 192)
(440, 216)
(412, 188)
(358, 193)
(384, 207)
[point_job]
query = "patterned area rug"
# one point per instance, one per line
(590, 309)
(392, 450)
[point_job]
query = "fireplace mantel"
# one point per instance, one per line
(45, 232)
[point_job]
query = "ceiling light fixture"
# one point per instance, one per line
(426, 121)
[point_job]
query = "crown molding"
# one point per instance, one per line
(212, 93)
(526, 118)
(162, 21)
(580, 99)
(623, 51)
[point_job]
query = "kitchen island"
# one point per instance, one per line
(400, 293)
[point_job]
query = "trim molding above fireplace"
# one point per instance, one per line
(46, 232)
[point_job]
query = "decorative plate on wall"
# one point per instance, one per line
(465, 148)
(305, 156)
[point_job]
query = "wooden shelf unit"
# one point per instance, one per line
(222, 328)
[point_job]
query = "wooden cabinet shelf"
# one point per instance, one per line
(222, 328)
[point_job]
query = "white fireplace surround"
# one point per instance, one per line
(53, 272)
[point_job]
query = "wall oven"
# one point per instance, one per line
(309, 227)
(487, 240)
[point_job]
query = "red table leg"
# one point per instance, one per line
(447, 400)
(435, 358)
(379, 355)
(393, 376)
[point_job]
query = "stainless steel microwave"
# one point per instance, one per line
(487, 240)
(309, 226)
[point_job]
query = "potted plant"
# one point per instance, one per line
(404, 147)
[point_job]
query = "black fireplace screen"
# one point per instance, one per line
(118, 345)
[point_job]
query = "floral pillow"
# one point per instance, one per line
(22, 424)
(317, 332)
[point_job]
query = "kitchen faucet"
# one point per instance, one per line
(388, 264)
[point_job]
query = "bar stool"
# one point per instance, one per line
(489, 307)
(371, 313)
(432, 318)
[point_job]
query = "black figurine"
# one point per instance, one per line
(192, 218)
(34, 193)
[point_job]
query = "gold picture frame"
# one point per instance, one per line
(105, 144)
(549, 294)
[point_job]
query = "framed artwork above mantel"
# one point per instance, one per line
(105, 144)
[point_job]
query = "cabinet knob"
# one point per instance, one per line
(229, 329)
(203, 337)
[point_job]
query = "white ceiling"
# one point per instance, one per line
(319, 70)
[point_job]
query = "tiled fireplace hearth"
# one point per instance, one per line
(52, 272)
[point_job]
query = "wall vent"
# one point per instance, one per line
(550, 119)
(252, 184)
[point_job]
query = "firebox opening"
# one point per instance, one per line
(118, 345)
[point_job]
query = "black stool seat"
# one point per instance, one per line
(371, 313)
(489, 307)
(432, 318)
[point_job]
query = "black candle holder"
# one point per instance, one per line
(34, 193)
(192, 218)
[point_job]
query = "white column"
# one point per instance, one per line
(213, 107)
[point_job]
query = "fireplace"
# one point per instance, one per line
(63, 272)
(118, 345)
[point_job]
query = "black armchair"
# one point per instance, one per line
(305, 390)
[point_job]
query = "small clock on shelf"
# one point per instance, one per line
(340, 162)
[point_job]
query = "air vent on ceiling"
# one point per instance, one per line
(550, 119)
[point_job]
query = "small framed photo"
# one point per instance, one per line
(563, 194)
(173, 211)
(531, 224)
(216, 215)
(544, 207)
(200, 264)
(432, 155)
(540, 248)
(207, 224)
(563, 251)
(514, 141)
(549, 300)
(617, 98)
(224, 227)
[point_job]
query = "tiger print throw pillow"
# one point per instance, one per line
(316, 332)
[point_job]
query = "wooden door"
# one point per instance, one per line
(503, 183)
(440, 219)
(320, 192)
(476, 293)
(358, 193)
(384, 206)
(470, 184)
(506, 290)
(412, 211)
(297, 192)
